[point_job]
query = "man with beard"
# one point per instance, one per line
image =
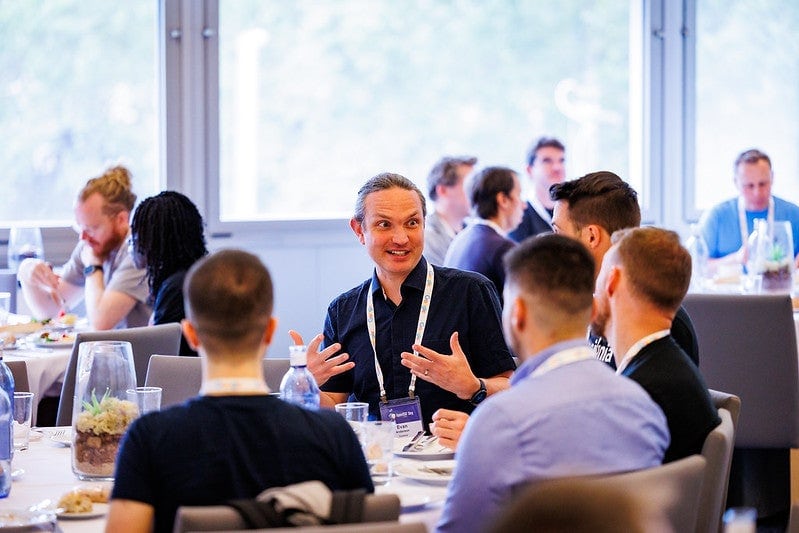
(565, 414)
(100, 270)
(644, 277)
(590, 209)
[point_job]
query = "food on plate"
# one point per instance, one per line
(55, 336)
(98, 431)
(67, 319)
(75, 502)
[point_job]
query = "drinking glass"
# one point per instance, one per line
(24, 242)
(377, 441)
(740, 520)
(147, 399)
(5, 307)
(23, 411)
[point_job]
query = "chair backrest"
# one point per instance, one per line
(666, 496)
(748, 348)
(730, 402)
(377, 509)
(145, 341)
(181, 377)
(8, 283)
(20, 372)
(717, 451)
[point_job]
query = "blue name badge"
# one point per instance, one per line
(406, 413)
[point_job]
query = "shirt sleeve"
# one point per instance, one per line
(488, 469)
(343, 382)
(130, 280)
(72, 271)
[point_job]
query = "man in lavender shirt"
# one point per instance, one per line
(566, 413)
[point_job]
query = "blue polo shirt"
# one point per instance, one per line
(462, 301)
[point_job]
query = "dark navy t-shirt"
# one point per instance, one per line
(213, 449)
(462, 301)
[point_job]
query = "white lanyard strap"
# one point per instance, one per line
(742, 218)
(564, 358)
(640, 345)
(370, 325)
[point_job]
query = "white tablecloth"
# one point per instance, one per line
(46, 369)
(48, 475)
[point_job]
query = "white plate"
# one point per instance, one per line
(410, 503)
(98, 509)
(433, 453)
(417, 471)
(61, 340)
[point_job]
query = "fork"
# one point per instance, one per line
(424, 442)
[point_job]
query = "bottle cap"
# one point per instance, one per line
(298, 355)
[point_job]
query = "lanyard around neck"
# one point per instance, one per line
(742, 218)
(370, 325)
(566, 357)
(640, 345)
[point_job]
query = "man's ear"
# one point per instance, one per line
(190, 333)
(593, 235)
(269, 332)
(357, 229)
(518, 314)
(613, 280)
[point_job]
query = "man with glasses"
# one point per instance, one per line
(100, 270)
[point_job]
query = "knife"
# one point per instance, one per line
(413, 441)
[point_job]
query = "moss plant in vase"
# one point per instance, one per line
(98, 431)
(101, 412)
(774, 255)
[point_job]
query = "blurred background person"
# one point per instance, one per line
(166, 240)
(727, 226)
(450, 206)
(545, 167)
(495, 195)
(100, 271)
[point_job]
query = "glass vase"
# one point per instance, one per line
(101, 412)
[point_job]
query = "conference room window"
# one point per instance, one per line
(747, 94)
(315, 96)
(78, 92)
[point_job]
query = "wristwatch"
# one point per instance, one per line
(89, 270)
(481, 393)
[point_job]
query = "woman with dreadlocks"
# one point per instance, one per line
(166, 239)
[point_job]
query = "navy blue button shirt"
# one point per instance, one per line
(462, 301)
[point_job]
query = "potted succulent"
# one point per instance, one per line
(101, 411)
(773, 257)
(98, 431)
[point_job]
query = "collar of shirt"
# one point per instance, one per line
(493, 225)
(231, 386)
(538, 207)
(638, 346)
(415, 279)
(529, 366)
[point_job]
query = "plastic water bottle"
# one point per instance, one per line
(697, 247)
(6, 443)
(298, 385)
(7, 385)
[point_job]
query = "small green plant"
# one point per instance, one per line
(95, 407)
(777, 253)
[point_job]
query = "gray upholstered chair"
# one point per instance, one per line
(381, 509)
(181, 377)
(747, 346)
(145, 341)
(666, 494)
(730, 402)
(20, 372)
(717, 451)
